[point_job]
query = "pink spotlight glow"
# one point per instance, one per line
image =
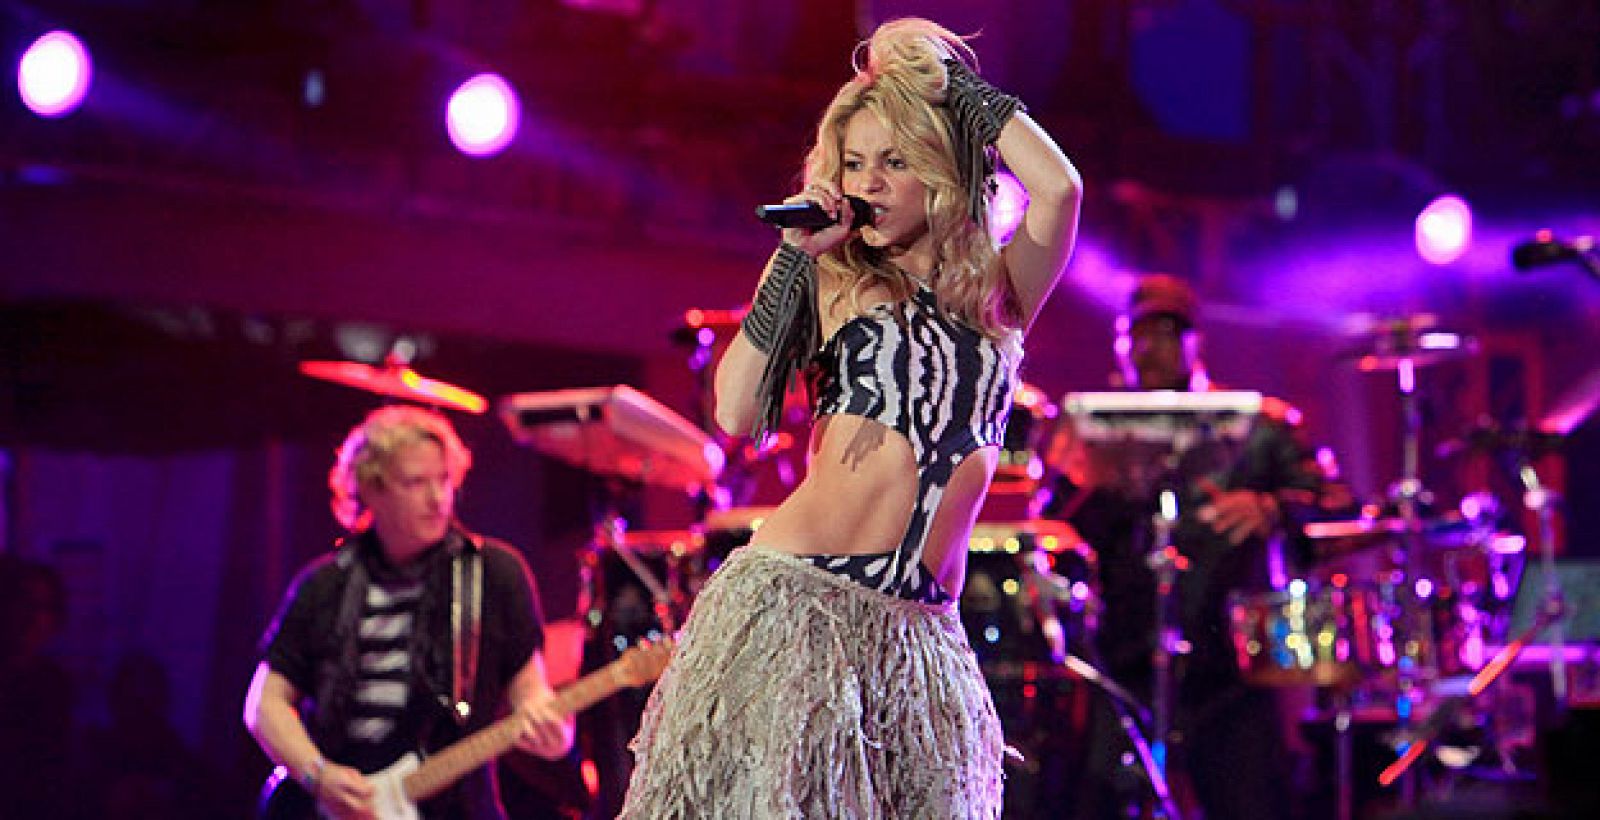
(1006, 209)
(53, 74)
(1444, 230)
(482, 116)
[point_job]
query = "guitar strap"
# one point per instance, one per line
(333, 693)
(466, 622)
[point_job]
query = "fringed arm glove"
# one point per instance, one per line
(782, 323)
(979, 111)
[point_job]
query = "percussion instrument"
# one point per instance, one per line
(1028, 598)
(1020, 467)
(639, 585)
(1313, 636)
(1404, 343)
(396, 379)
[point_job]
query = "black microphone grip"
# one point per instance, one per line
(810, 216)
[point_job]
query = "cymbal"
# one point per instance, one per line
(702, 327)
(396, 380)
(1355, 528)
(1440, 533)
(1411, 341)
(696, 318)
(737, 518)
(1334, 539)
(657, 542)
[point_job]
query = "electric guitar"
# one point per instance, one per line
(400, 786)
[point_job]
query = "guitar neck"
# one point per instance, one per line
(590, 689)
(444, 768)
(440, 770)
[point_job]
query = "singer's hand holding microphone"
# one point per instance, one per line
(818, 219)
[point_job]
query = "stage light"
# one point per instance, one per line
(482, 116)
(314, 90)
(1444, 230)
(1005, 210)
(53, 74)
(1286, 203)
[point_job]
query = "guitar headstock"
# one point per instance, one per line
(644, 663)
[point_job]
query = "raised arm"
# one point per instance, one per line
(1038, 253)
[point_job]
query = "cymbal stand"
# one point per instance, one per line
(1543, 502)
(734, 482)
(1166, 562)
(1408, 493)
(1344, 754)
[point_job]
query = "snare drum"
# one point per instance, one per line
(1317, 636)
(641, 585)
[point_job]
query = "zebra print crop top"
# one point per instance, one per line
(940, 383)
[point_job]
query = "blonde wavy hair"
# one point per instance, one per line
(904, 84)
(369, 445)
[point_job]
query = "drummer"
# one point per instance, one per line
(1232, 742)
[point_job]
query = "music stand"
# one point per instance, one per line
(1151, 445)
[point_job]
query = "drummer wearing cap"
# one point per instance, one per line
(1229, 739)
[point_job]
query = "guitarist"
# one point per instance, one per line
(412, 633)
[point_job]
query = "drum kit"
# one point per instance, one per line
(1404, 599)
(1405, 606)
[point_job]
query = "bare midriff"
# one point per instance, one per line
(858, 494)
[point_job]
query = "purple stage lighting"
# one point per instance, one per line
(482, 116)
(53, 74)
(1006, 209)
(1444, 230)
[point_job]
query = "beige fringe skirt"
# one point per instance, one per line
(796, 693)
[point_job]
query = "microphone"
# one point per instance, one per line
(1545, 249)
(811, 217)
